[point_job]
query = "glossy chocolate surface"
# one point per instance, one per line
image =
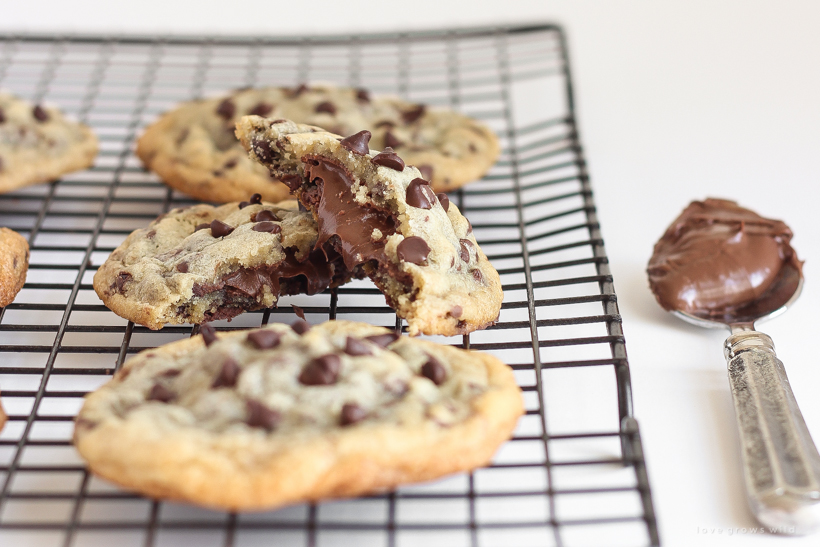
(720, 261)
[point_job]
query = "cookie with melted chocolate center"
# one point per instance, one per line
(38, 144)
(204, 263)
(386, 219)
(304, 419)
(193, 149)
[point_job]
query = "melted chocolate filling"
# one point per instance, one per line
(331, 197)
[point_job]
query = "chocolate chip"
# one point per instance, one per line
(220, 229)
(464, 253)
(478, 276)
(298, 91)
(264, 339)
(413, 249)
(292, 181)
(208, 334)
(2, 116)
(300, 313)
(262, 150)
(419, 194)
(456, 311)
(264, 215)
(351, 413)
(182, 267)
(256, 199)
(40, 114)
(160, 393)
(444, 200)
(426, 171)
(230, 164)
(120, 281)
(261, 416)
(261, 109)
(170, 373)
(354, 346)
(226, 109)
(357, 143)
(469, 227)
(385, 123)
(388, 158)
(326, 106)
(228, 374)
(1, 164)
(410, 116)
(322, 371)
(363, 95)
(243, 204)
(391, 140)
(202, 226)
(266, 226)
(182, 136)
(383, 340)
(434, 370)
(300, 326)
(217, 173)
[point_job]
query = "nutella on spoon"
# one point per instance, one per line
(717, 258)
(720, 265)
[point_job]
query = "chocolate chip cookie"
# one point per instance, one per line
(38, 144)
(258, 419)
(204, 263)
(193, 148)
(14, 257)
(381, 214)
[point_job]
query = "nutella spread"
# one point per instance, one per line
(362, 230)
(717, 257)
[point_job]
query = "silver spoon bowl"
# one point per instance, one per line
(781, 465)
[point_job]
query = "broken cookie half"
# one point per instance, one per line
(381, 215)
(204, 263)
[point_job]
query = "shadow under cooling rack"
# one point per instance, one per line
(574, 472)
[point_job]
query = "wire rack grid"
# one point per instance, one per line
(574, 472)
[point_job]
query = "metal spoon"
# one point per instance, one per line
(781, 464)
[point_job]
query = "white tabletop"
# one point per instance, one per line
(676, 102)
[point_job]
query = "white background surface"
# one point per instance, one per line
(677, 101)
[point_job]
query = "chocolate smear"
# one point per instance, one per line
(444, 200)
(434, 370)
(264, 338)
(300, 313)
(355, 346)
(291, 181)
(226, 109)
(40, 114)
(261, 416)
(267, 226)
(351, 413)
(120, 281)
(357, 143)
(383, 340)
(420, 195)
(160, 393)
(220, 229)
(413, 249)
(322, 371)
(300, 326)
(208, 334)
(228, 375)
(390, 159)
(327, 107)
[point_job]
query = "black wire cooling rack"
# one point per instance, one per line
(573, 474)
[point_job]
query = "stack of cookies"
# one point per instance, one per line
(282, 414)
